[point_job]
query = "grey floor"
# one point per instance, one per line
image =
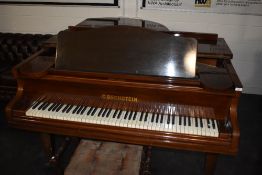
(21, 151)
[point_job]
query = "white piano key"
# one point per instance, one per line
(178, 128)
(191, 127)
(173, 124)
(137, 123)
(208, 129)
(122, 115)
(84, 117)
(165, 124)
(216, 133)
(186, 125)
(60, 114)
(203, 130)
(199, 127)
(182, 127)
(110, 119)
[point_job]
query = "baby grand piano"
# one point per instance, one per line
(133, 85)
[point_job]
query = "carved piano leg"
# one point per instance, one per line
(210, 163)
(147, 161)
(52, 154)
(49, 147)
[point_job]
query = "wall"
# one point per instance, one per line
(243, 33)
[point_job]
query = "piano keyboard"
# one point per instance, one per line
(124, 118)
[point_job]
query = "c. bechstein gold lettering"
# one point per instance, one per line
(121, 98)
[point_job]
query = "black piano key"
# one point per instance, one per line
(75, 109)
(141, 117)
(115, 113)
(69, 108)
(208, 123)
(126, 114)
(153, 117)
(119, 114)
(94, 111)
(89, 111)
(83, 110)
(130, 115)
(162, 118)
(41, 106)
(108, 112)
(173, 119)
(189, 121)
(168, 119)
(51, 107)
(100, 112)
(146, 116)
(36, 104)
(56, 106)
(213, 123)
(45, 106)
(185, 118)
(180, 120)
(104, 112)
(59, 107)
(196, 122)
(134, 116)
(157, 118)
(79, 109)
(65, 108)
(201, 122)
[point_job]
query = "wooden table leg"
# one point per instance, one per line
(210, 163)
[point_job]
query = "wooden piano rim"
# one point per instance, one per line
(20, 115)
(124, 77)
(127, 135)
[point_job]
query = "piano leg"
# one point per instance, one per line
(210, 163)
(52, 154)
(146, 164)
(49, 147)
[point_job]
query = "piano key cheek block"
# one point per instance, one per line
(106, 82)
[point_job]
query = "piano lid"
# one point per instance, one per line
(121, 21)
(126, 50)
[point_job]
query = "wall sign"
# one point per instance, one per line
(64, 2)
(253, 7)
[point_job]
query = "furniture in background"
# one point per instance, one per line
(14, 48)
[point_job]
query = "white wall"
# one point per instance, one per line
(243, 33)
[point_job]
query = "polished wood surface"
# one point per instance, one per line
(121, 21)
(213, 93)
(147, 52)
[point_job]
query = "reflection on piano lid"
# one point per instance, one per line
(126, 50)
(102, 22)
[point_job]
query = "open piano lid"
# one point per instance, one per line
(126, 50)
